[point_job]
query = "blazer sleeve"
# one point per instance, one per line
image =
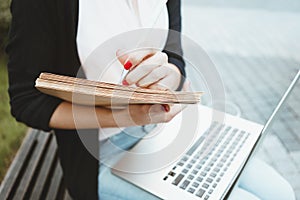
(173, 45)
(31, 50)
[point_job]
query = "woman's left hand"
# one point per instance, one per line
(149, 69)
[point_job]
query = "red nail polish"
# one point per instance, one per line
(128, 65)
(124, 82)
(166, 107)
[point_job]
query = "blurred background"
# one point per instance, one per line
(254, 45)
(11, 132)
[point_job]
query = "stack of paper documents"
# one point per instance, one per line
(87, 92)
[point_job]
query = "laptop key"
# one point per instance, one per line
(185, 184)
(213, 174)
(172, 173)
(199, 179)
(216, 169)
(205, 185)
(206, 197)
(191, 177)
(184, 158)
(209, 180)
(189, 166)
(195, 184)
(207, 169)
(211, 164)
(178, 179)
(191, 190)
(195, 146)
(220, 164)
(203, 173)
(193, 161)
(200, 192)
(185, 171)
(198, 167)
(202, 162)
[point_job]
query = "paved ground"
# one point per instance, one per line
(256, 51)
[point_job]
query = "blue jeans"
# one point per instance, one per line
(259, 180)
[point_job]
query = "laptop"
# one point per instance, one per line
(179, 161)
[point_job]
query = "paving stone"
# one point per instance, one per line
(286, 167)
(296, 158)
(292, 145)
(263, 155)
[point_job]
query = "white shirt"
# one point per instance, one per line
(104, 26)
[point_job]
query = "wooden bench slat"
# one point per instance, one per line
(56, 182)
(35, 172)
(67, 195)
(45, 171)
(14, 172)
(32, 166)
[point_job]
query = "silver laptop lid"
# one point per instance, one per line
(266, 128)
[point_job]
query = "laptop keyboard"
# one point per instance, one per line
(203, 167)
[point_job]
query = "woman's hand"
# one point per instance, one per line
(149, 69)
(136, 115)
(68, 116)
(148, 114)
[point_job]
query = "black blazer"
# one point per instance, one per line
(42, 38)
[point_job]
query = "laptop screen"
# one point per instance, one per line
(279, 143)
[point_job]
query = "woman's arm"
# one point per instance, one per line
(39, 42)
(68, 116)
(32, 49)
(173, 47)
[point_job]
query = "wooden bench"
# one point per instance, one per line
(35, 172)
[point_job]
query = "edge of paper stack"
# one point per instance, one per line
(87, 92)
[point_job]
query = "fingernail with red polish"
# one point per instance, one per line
(166, 107)
(128, 65)
(124, 82)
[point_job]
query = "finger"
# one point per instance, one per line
(173, 111)
(166, 107)
(176, 108)
(132, 59)
(164, 84)
(146, 67)
(122, 55)
(154, 76)
(186, 86)
(171, 79)
(158, 114)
